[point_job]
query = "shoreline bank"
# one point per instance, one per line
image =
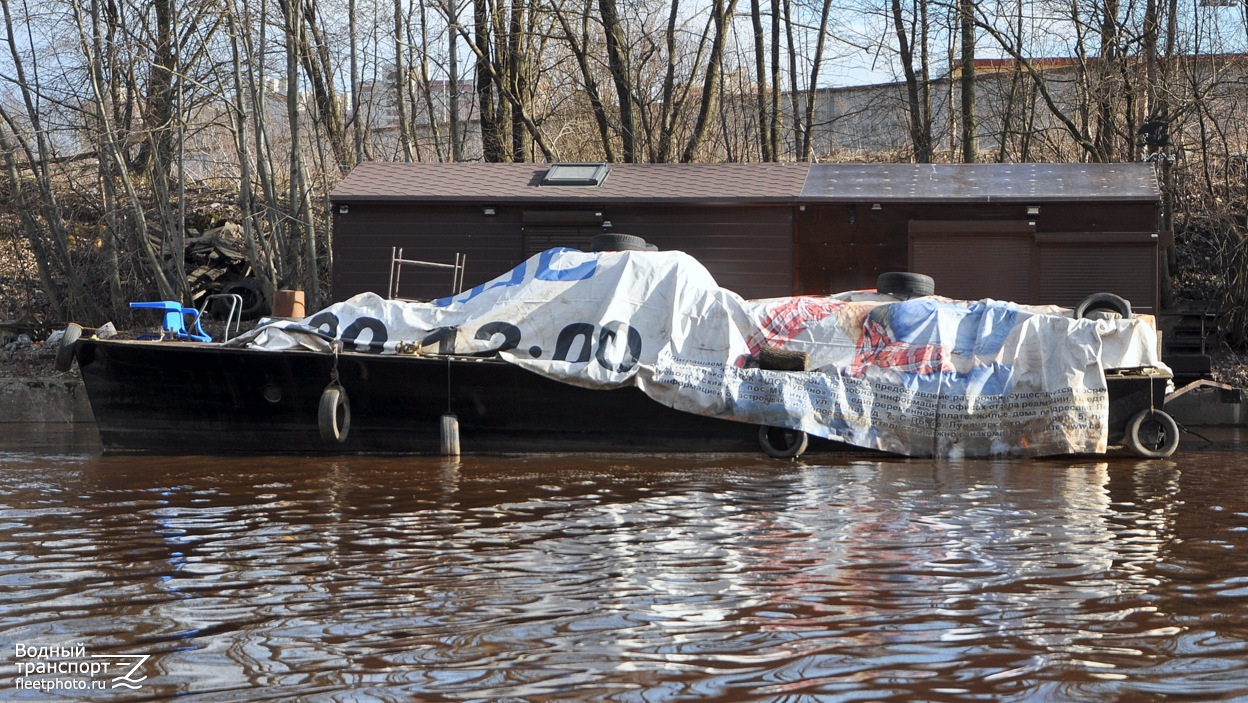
(44, 399)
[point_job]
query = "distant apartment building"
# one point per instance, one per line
(430, 113)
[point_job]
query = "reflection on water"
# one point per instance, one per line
(628, 579)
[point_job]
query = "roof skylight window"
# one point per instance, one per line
(576, 175)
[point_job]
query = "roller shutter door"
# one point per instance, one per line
(974, 260)
(1075, 265)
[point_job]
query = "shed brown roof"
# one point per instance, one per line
(392, 181)
(753, 183)
(1025, 182)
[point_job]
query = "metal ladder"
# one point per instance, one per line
(397, 262)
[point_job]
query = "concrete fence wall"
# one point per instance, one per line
(52, 400)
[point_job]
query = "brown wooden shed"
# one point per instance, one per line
(1032, 233)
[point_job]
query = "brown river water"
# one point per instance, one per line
(638, 578)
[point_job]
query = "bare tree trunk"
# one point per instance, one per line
(773, 117)
(261, 264)
(617, 60)
(812, 88)
(672, 104)
(294, 161)
(357, 129)
(112, 151)
(279, 228)
(401, 85)
(760, 78)
(300, 207)
(966, 18)
(795, 95)
(491, 130)
(1106, 90)
(426, 88)
(516, 79)
(164, 137)
(495, 73)
(452, 52)
(578, 43)
(158, 108)
(25, 211)
(313, 50)
(920, 119)
(1157, 114)
(1014, 98)
(721, 15)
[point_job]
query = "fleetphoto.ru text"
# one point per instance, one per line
(72, 667)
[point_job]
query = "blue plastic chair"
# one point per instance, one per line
(174, 323)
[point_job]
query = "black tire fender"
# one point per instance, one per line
(334, 414)
(618, 242)
(69, 343)
(782, 442)
(1103, 302)
(1152, 434)
(905, 285)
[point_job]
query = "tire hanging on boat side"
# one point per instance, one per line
(334, 414)
(1156, 440)
(782, 442)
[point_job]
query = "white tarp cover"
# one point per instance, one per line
(924, 377)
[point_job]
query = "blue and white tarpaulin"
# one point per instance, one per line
(925, 377)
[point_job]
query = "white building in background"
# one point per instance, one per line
(872, 122)
(429, 105)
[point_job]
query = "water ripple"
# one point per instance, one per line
(577, 579)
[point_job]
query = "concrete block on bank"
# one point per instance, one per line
(1207, 402)
(44, 400)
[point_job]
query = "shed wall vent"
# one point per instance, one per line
(575, 175)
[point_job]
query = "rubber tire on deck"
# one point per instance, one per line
(905, 285)
(1105, 302)
(333, 417)
(618, 242)
(775, 359)
(65, 352)
(794, 442)
(1164, 428)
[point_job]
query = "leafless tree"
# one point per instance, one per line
(912, 47)
(115, 111)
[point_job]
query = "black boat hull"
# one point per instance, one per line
(187, 398)
(191, 398)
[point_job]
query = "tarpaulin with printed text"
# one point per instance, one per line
(928, 376)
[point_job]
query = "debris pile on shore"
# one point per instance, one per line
(218, 259)
(23, 355)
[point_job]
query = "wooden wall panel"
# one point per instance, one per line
(363, 238)
(748, 249)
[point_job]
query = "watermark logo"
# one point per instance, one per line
(73, 668)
